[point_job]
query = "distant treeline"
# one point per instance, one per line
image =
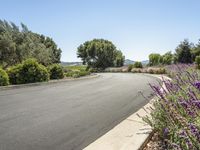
(185, 52)
(19, 43)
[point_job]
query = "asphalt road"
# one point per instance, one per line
(69, 115)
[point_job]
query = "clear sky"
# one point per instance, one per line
(136, 27)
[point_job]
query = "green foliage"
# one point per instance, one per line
(167, 58)
(195, 51)
(157, 59)
(175, 112)
(138, 64)
(29, 71)
(56, 71)
(4, 79)
(100, 53)
(197, 61)
(14, 74)
(154, 59)
(18, 45)
(183, 52)
(130, 67)
(119, 59)
(93, 70)
(76, 71)
(70, 68)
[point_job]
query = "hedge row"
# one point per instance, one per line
(77, 73)
(30, 71)
(149, 70)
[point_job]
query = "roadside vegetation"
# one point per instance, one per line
(76, 71)
(19, 43)
(30, 71)
(175, 115)
(100, 54)
(28, 57)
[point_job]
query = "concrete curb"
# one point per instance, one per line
(130, 134)
(48, 83)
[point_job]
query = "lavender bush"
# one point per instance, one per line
(175, 115)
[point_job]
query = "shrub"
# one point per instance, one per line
(4, 79)
(14, 74)
(197, 61)
(175, 113)
(136, 70)
(93, 70)
(76, 73)
(125, 70)
(56, 71)
(84, 73)
(137, 64)
(150, 70)
(130, 67)
(29, 71)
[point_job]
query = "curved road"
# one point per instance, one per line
(69, 115)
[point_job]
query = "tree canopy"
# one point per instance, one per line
(183, 52)
(167, 58)
(19, 43)
(154, 59)
(100, 53)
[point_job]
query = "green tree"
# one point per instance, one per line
(183, 52)
(100, 53)
(167, 58)
(154, 59)
(18, 45)
(196, 50)
(119, 59)
(138, 64)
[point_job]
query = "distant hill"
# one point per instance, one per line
(145, 62)
(71, 63)
(128, 62)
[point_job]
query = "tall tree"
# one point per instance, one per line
(183, 52)
(17, 45)
(196, 50)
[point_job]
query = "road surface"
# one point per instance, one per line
(69, 115)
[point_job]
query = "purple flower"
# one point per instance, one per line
(166, 132)
(195, 131)
(197, 85)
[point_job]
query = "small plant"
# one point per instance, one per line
(138, 64)
(175, 113)
(4, 79)
(56, 71)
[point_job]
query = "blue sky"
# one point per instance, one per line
(136, 27)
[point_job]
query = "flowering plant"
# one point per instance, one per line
(175, 115)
